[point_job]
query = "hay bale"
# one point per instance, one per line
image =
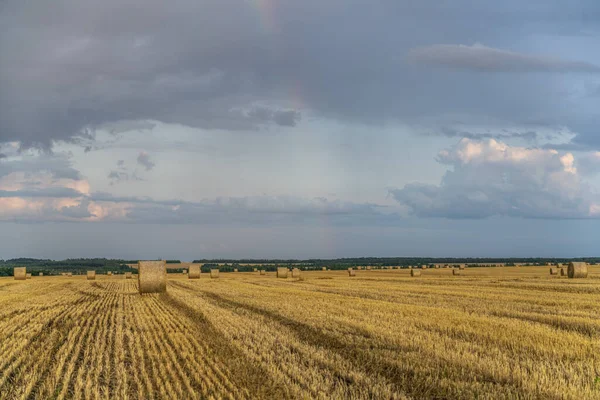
(295, 273)
(263, 272)
(69, 274)
(91, 275)
(152, 276)
(255, 269)
(323, 269)
(415, 272)
(185, 271)
(128, 275)
(461, 266)
(235, 270)
(41, 274)
(214, 273)
(369, 268)
(194, 271)
(282, 272)
(351, 272)
(455, 271)
(423, 266)
(28, 276)
(359, 268)
(553, 271)
(577, 270)
(109, 273)
(563, 272)
(20, 273)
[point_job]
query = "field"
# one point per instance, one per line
(489, 333)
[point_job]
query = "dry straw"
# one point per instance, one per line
(414, 272)
(152, 276)
(553, 271)
(128, 275)
(214, 273)
(263, 272)
(563, 272)
(577, 270)
(194, 271)
(91, 275)
(28, 276)
(455, 271)
(351, 272)
(282, 272)
(20, 273)
(295, 273)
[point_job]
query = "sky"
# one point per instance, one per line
(299, 129)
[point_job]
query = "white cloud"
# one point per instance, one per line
(492, 178)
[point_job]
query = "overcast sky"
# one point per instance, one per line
(265, 128)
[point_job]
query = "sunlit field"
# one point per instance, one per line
(513, 332)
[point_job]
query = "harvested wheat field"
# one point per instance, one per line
(500, 333)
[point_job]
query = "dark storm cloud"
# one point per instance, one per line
(144, 160)
(68, 67)
(483, 58)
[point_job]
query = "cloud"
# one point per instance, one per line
(78, 211)
(489, 178)
(144, 160)
(87, 69)
(279, 117)
(57, 192)
(482, 58)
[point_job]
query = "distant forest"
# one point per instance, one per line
(101, 265)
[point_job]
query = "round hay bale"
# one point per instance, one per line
(563, 272)
(461, 266)
(577, 270)
(41, 274)
(91, 275)
(369, 268)
(359, 268)
(351, 272)
(263, 272)
(295, 273)
(235, 270)
(553, 271)
(28, 276)
(415, 272)
(255, 269)
(185, 271)
(455, 271)
(214, 273)
(69, 274)
(128, 275)
(323, 269)
(282, 272)
(152, 276)
(194, 271)
(20, 273)
(109, 273)
(423, 266)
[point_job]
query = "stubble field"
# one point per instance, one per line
(489, 333)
